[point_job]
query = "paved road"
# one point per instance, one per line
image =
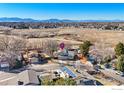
(112, 74)
(8, 78)
(5, 75)
(84, 73)
(47, 67)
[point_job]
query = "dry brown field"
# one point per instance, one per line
(73, 35)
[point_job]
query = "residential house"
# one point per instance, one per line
(28, 77)
(59, 73)
(89, 82)
(66, 54)
(4, 64)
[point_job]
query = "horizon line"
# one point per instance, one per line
(60, 18)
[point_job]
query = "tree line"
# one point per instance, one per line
(38, 25)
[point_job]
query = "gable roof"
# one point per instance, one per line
(28, 77)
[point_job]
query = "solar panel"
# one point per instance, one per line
(65, 69)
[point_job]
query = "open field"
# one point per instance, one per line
(77, 35)
(70, 35)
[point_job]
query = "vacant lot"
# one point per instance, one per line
(102, 36)
(77, 36)
(70, 35)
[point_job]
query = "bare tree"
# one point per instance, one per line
(10, 48)
(12, 43)
(49, 46)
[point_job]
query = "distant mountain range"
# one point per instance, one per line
(16, 19)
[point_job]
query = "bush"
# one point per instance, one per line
(120, 63)
(18, 64)
(119, 49)
(85, 47)
(60, 81)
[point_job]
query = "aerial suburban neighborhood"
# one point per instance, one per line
(62, 56)
(61, 51)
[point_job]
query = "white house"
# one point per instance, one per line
(66, 54)
(59, 73)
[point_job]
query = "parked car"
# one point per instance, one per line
(92, 72)
(107, 65)
(120, 73)
(96, 68)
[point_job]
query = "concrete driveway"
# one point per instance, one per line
(112, 74)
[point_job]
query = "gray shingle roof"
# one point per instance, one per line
(28, 77)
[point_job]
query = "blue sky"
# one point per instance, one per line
(75, 11)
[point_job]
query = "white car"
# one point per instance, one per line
(120, 73)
